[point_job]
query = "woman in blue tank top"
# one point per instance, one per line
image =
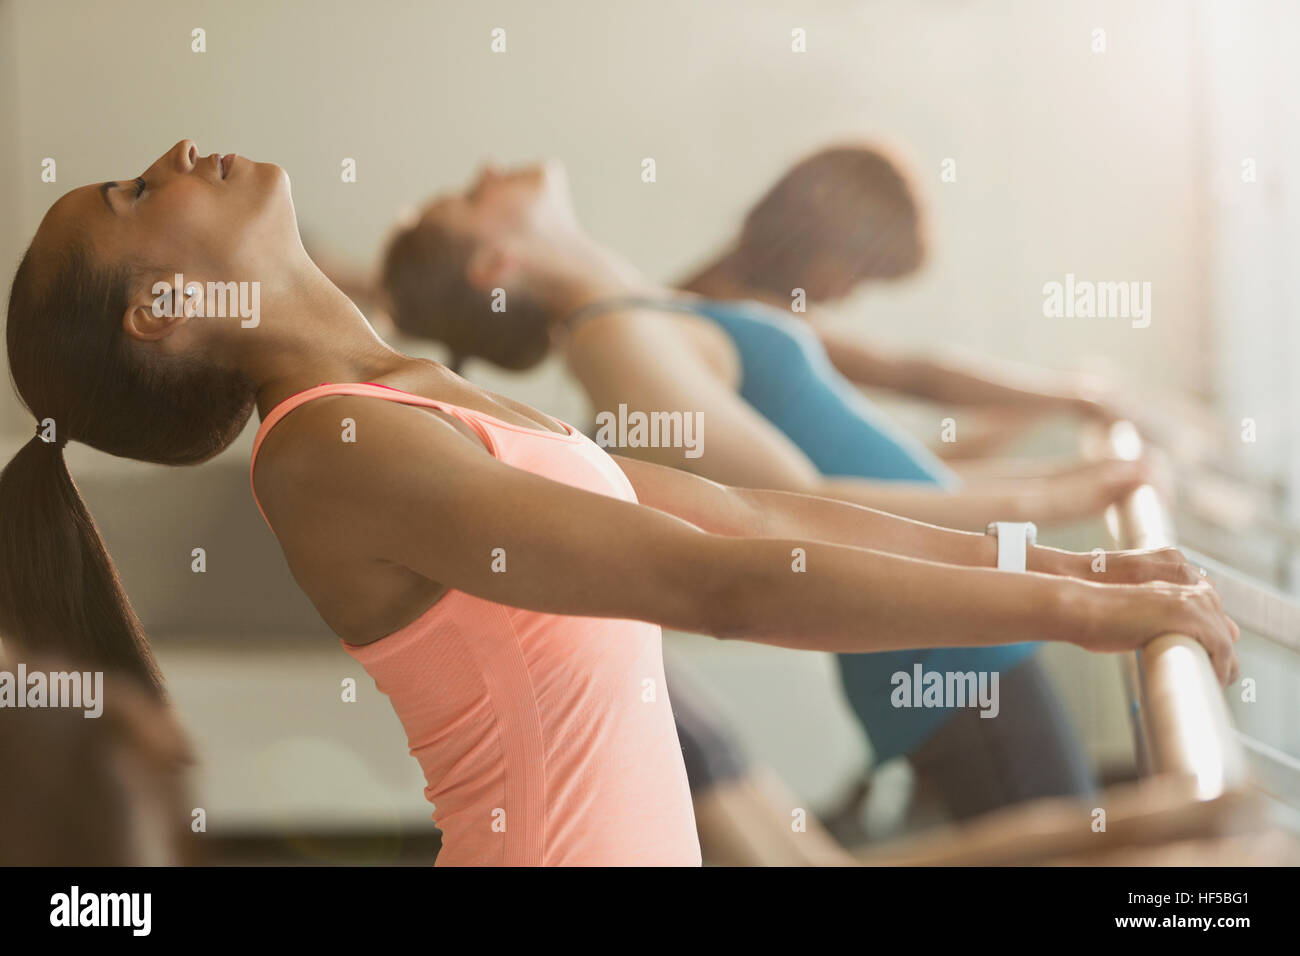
(779, 415)
(843, 217)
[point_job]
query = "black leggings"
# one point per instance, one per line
(972, 764)
(1030, 750)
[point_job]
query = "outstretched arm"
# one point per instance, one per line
(747, 512)
(993, 383)
(635, 358)
(427, 497)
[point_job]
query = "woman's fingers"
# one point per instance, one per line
(1120, 478)
(1195, 611)
(1113, 479)
(1217, 633)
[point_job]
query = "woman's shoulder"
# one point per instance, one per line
(338, 442)
(761, 317)
(767, 335)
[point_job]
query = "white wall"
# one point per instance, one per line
(1255, 281)
(1254, 214)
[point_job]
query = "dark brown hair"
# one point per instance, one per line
(72, 363)
(424, 276)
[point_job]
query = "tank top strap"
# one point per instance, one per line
(601, 306)
(474, 419)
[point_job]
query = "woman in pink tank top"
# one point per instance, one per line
(529, 726)
(501, 578)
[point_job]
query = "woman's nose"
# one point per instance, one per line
(184, 155)
(179, 159)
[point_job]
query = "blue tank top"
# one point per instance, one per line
(788, 378)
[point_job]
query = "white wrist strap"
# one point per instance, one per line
(1014, 539)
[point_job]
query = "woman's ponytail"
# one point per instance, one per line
(59, 591)
(71, 361)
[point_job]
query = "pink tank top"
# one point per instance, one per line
(544, 739)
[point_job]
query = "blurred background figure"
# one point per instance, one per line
(851, 215)
(111, 790)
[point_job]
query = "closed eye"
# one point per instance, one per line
(140, 185)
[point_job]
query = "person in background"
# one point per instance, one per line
(851, 216)
(110, 790)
